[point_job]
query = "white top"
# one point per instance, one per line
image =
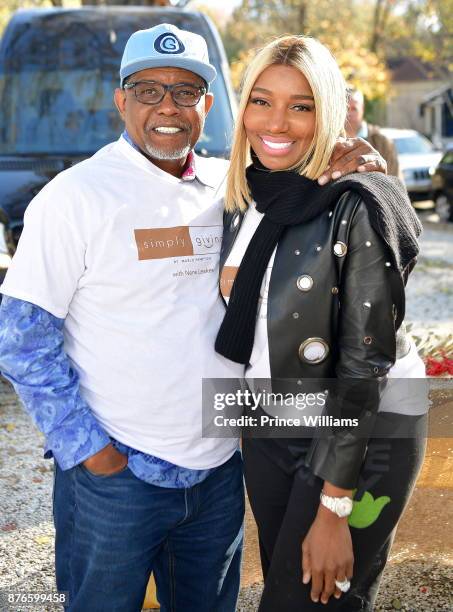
(403, 399)
(128, 255)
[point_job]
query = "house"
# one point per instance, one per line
(413, 82)
(437, 112)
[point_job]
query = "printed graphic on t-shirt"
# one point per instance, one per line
(228, 276)
(227, 279)
(179, 241)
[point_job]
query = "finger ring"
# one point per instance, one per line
(343, 585)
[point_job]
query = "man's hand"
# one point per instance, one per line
(353, 155)
(327, 555)
(106, 462)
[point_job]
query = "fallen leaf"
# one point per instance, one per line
(36, 479)
(42, 539)
(44, 469)
(9, 527)
(10, 427)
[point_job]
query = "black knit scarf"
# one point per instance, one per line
(286, 199)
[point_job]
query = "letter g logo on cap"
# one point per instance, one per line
(168, 43)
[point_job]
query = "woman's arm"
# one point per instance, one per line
(371, 292)
(327, 550)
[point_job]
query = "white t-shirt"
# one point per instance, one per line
(397, 397)
(128, 255)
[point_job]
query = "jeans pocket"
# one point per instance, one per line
(103, 476)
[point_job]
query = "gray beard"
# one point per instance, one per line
(162, 155)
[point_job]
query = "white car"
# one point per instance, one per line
(417, 160)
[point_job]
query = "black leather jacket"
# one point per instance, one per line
(333, 284)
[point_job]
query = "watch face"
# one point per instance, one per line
(344, 507)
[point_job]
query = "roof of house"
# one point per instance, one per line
(444, 95)
(442, 92)
(413, 69)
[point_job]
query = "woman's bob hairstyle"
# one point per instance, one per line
(320, 69)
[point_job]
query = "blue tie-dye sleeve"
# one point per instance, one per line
(32, 357)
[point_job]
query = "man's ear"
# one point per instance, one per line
(120, 101)
(208, 102)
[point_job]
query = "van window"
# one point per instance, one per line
(58, 78)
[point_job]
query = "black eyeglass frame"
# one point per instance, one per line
(201, 88)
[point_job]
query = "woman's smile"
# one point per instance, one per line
(275, 146)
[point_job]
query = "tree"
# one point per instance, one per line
(8, 7)
(342, 25)
(380, 19)
(420, 28)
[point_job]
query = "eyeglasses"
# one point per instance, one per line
(152, 92)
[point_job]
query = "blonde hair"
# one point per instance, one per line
(320, 69)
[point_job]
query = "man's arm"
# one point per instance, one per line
(32, 357)
(390, 153)
(353, 155)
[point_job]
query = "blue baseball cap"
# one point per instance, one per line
(166, 46)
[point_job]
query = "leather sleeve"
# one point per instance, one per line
(371, 294)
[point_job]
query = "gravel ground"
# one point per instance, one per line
(430, 287)
(412, 587)
(26, 530)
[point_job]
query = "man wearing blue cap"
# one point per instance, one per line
(108, 324)
(166, 128)
(113, 299)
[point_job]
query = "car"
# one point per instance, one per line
(442, 186)
(58, 70)
(417, 158)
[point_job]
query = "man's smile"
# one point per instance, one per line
(168, 129)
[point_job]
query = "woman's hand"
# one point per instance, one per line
(353, 155)
(327, 555)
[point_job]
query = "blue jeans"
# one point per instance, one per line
(112, 531)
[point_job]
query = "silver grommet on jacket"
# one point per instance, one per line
(313, 350)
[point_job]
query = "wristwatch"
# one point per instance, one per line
(341, 506)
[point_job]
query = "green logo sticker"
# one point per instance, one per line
(366, 511)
